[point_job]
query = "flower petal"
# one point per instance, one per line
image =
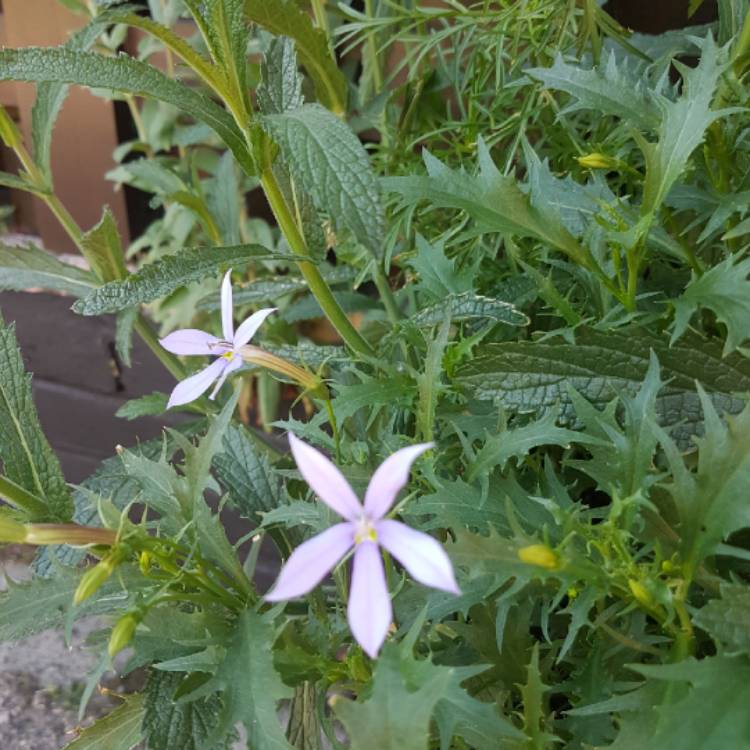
(326, 480)
(227, 323)
(230, 366)
(248, 327)
(369, 610)
(422, 556)
(389, 478)
(311, 561)
(190, 388)
(190, 341)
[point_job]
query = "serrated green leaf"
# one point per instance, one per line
(103, 249)
(250, 685)
(727, 620)
(124, 327)
(246, 473)
(438, 275)
(44, 603)
(171, 724)
(725, 289)
(223, 201)
(528, 377)
(281, 87)
(287, 18)
(493, 200)
(519, 441)
(682, 126)
(333, 168)
(119, 730)
(122, 73)
(396, 716)
(26, 267)
(144, 406)
(711, 502)
(26, 455)
(50, 98)
(470, 306)
(163, 276)
(712, 713)
(307, 307)
(610, 89)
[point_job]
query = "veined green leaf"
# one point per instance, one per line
(250, 695)
(26, 455)
(494, 201)
(470, 306)
(281, 88)
(610, 89)
(30, 266)
(150, 405)
(287, 18)
(168, 723)
(727, 620)
(529, 377)
(124, 74)
(333, 168)
(104, 249)
(119, 730)
(725, 289)
(163, 276)
(682, 126)
(50, 97)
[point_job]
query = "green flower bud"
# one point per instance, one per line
(92, 579)
(641, 594)
(540, 555)
(122, 633)
(598, 161)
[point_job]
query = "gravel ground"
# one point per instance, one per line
(41, 679)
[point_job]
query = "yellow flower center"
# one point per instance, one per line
(365, 532)
(228, 355)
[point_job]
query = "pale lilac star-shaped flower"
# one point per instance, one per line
(226, 350)
(365, 529)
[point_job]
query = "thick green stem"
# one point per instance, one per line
(21, 498)
(310, 272)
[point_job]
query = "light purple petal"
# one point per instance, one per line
(227, 323)
(422, 556)
(230, 366)
(190, 388)
(389, 478)
(190, 341)
(311, 561)
(369, 608)
(326, 480)
(248, 327)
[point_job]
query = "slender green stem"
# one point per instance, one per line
(309, 270)
(21, 498)
(386, 294)
(321, 17)
(372, 50)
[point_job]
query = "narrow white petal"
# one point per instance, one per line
(248, 327)
(422, 556)
(229, 367)
(190, 388)
(191, 341)
(328, 483)
(227, 322)
(311, 561)
(369, 609)
(389, 478)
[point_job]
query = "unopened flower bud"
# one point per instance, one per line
(11, 531)
(92, 579)
(122, 633)
(144, 562)
(540, 555)
(596, 160)
(641, 594)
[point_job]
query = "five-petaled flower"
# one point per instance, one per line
(193, 341)
(365, 529)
